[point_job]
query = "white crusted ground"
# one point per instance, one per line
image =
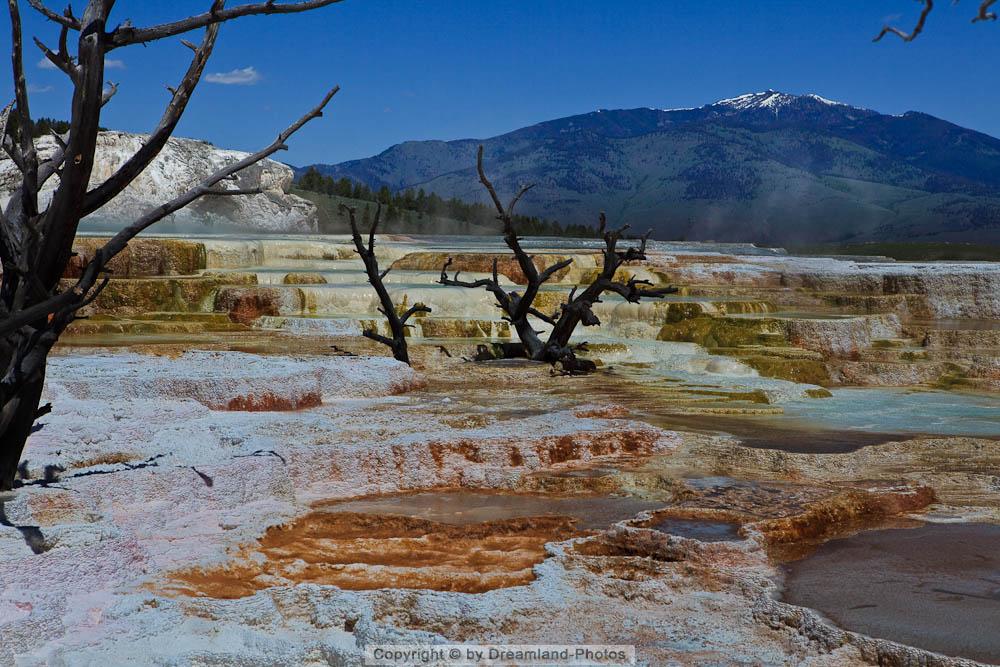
(214, 379)
(106, 535)
(185, 485)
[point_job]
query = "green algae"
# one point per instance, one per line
(124, 296)
(805, 371)
(954, 377)
(753, 396)
(819, 393)
(714, 332)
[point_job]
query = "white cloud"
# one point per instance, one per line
(33, 88)
(246, 76)
(110, 63)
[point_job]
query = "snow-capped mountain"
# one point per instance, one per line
(767, 166)
(772, 100)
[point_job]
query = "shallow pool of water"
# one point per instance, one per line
(900, 411)
(936, 587)
(703, 530)
(468, 507)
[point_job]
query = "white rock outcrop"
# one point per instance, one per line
(181, 164)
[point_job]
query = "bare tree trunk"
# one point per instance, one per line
(397, 321)
(36, 244)
(519, 308)
(17, 418)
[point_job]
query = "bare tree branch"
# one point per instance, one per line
(61, 60)
(412, 310)
(489, 186)
(65, 19)
(36, 246)
(127, 34)
(984, 12)
(4, 118)
(545, 275)
(109, 91)
(517, 198)
(77, 297)
(917, 29)
(238, 192)
(29, 183)
(134, 166)
(117, 243)
(492, 285)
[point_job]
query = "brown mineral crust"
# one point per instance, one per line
(245, 306)
(843, 512)
(369, 551)
(270, 402)
(603, 412)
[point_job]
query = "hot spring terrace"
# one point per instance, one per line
(235, 474)
(746, 310)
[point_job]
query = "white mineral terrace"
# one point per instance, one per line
(232, 475)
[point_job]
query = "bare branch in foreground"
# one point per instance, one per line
(82, 293)
(134, 166)
(66, 19)
(118, 241)
(127, 34)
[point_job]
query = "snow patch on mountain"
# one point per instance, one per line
(771, 100)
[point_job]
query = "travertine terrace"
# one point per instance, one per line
(232, 475)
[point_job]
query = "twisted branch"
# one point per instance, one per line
(66, 19)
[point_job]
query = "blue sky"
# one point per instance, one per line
(448, 69)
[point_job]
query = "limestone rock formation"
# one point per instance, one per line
(181, 164)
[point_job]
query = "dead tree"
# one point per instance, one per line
(36, 244)
(518, 308)
(397, 321)
(983, 14)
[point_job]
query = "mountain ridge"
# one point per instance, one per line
(769, 167)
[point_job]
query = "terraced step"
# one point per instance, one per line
(421, 327)
(970, 338)
(162, 323)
